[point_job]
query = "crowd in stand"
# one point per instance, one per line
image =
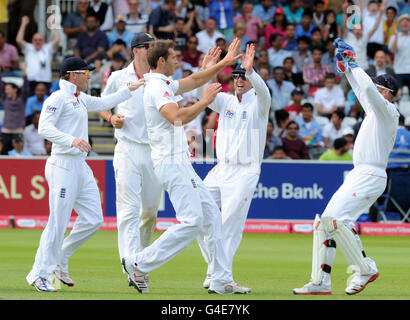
(314, 112)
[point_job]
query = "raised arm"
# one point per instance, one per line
(198, 79)
(20, 34)
(262, 91)
(379, 18)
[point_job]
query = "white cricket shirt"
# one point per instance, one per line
(64, 116)
(166, 140)
(134, 128)
(241, 134)
(377, 133)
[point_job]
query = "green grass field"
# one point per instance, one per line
(272, 265)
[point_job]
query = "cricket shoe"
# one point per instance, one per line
(230, 288)
(137, 278)
(207, 282)
(64, 277)
(359, 281)
(130, 283)
(313, 289)
(43, 285)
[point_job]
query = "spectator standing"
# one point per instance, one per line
(254, 26)
(222, 11)
(329, 98)
(379, 67)
(14, 105)
(271, 141)
(120, 32)
(280, 88)
(276, 54)
(389, 24)
(35, 102)
(290, 75)
(278, 25)
(329, 57)
(9, 59)
(37, 55)
(294, 147)
(263, 60)
(310, 131)
(33, 142)
(136, 18)
(294, 11)
(373, 14)
(104, 14)
(314, 73)
(400, 47)
(18, 147)
(161, 20)
(334, 129)
(91, 42)
(303, 56)
(340, 152)
(207, 37)
(74, 23)
(192, 54)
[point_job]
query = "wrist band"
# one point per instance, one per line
(109, 118)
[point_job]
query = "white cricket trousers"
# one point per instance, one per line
(232, 186)
(195, 210)
(71, 186)
(360, 189)
(138, 193)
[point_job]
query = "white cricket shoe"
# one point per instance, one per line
(230, 288)
(64, 277)
(43, 285)
(313, 289)
(137, 278)
(359, 281)
(207, 282)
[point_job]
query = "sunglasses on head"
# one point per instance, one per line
(85, 72)
(237, 76)
(145, 46)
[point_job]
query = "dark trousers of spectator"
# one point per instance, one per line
(404, 80)
(17, 10)
(7, 139)
(32, 86)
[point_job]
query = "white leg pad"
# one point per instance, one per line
(323, 255)
(347, 242)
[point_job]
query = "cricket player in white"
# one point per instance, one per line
(240, 143)
(194, 206)
(362, 186)
(64, 122)
(138, 191)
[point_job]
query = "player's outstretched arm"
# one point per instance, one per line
(262, 91)
(181, 116)
(198, 79)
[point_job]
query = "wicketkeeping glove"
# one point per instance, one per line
(345, 55)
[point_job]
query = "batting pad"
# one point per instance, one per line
(323, 252)
(346, 242)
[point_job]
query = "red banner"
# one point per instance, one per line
(4, 222)
(385, 229)
(24, 189)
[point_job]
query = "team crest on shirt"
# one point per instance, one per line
(244, 115)
(229, 113)
(75, 103)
